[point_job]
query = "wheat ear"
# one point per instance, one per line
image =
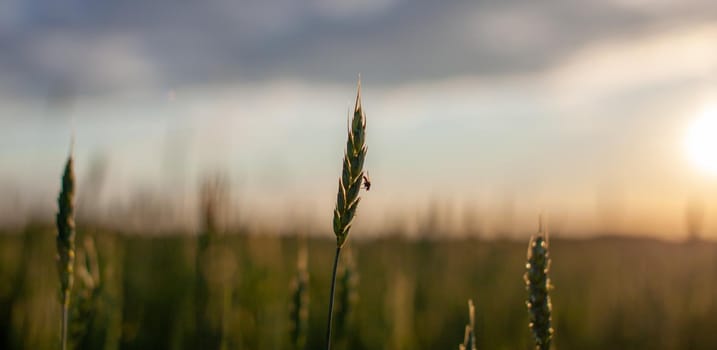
(65, 221)
(347, 199)
(86, 304)
(538, 286)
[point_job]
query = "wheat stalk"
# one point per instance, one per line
(347, 295)
(299, 313)
(469, 338)
(65, 221)
(538, 286)
(347, 198)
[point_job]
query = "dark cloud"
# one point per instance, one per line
(105, 46)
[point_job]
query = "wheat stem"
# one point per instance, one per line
(346, 296)
(469, 338)
(331, 298)
(299, 314)
(63, 339)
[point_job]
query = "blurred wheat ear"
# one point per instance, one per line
(85, 307)
(299, 313)
(213, 267)
(469, 338)
(538, 285)
(347, 198)
(65, 221)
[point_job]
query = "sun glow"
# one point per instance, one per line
(701, 140)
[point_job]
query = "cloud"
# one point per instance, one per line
(626, 65)
(347, 9)
(94, 63)
(114, 46)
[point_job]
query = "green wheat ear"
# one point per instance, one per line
(347, 198)
(86, 304)
(538, 286)
(65, 240)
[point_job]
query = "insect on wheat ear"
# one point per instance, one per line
(366, 181)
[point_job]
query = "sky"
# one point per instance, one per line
(486, 113)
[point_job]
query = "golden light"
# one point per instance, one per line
(701, 140)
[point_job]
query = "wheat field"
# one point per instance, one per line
(611, 293)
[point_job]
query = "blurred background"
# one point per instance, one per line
(480, 115)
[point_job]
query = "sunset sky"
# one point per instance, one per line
(495, 111)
